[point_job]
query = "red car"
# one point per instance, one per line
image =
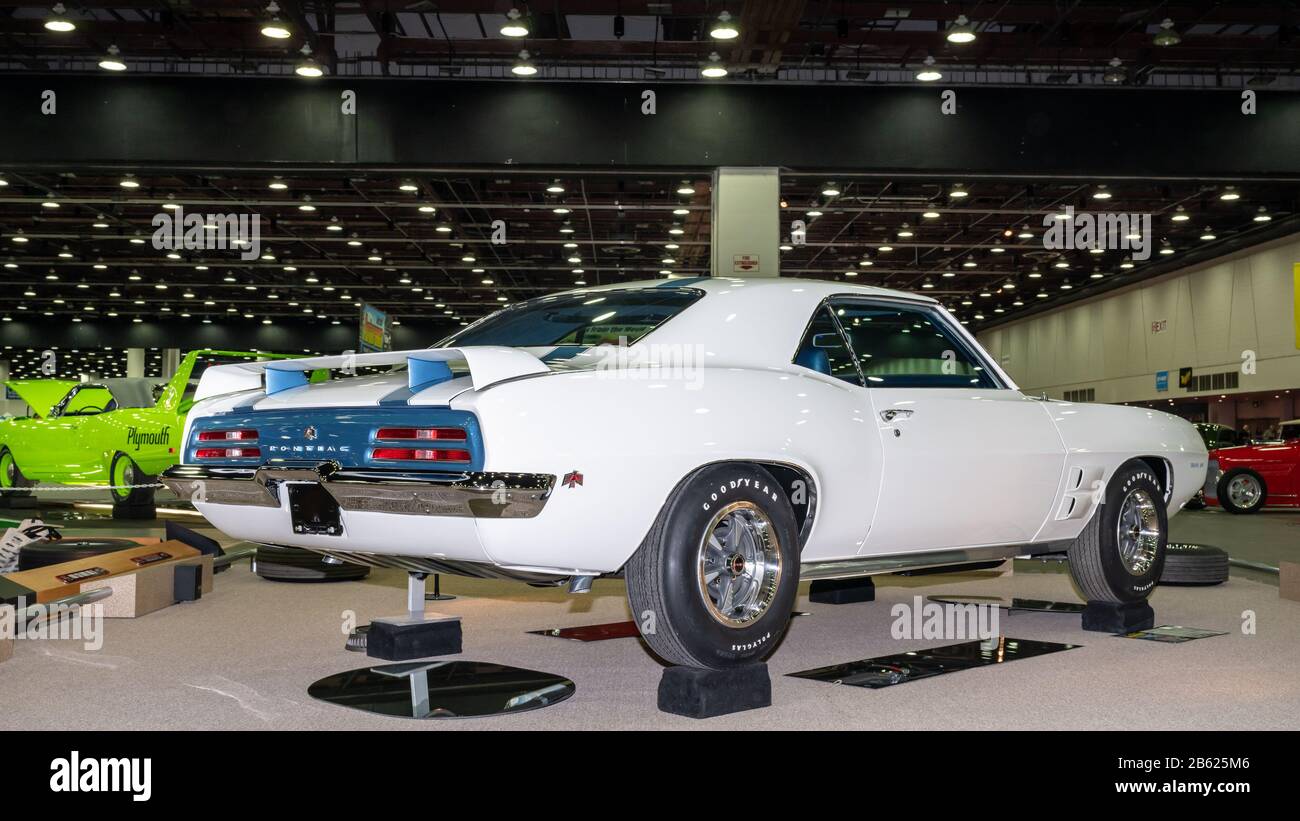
(1244, 479)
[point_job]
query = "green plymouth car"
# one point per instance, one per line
(109, 432)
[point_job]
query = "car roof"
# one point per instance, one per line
(711, 285)
(751, 323)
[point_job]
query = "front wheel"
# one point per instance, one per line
(12, 481)
(1241, 490)
(715, 580)
(1120, 555)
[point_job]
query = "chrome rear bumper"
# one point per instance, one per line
(479, 495)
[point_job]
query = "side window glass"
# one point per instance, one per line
(822, 349)
(902, 347)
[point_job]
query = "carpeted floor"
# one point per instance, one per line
(242, 658)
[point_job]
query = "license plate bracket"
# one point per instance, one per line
(312, 510)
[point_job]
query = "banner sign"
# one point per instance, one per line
(374, 330)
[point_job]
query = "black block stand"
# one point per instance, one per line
(842, 591)
(415, 635)
(1112, 617)
(698, 693)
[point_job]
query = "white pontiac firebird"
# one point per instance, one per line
(713, 440)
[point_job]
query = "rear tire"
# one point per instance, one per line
(1120, 555)
(45, 552)
(715, 580)
(1194, 564)
(1242, 490)
(293, 564)
(124, 471)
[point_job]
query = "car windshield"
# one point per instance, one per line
(581, 320)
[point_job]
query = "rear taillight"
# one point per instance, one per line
(227, 453)
(420, 455)
(227, 435)
(421, 434)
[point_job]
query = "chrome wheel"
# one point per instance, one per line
(1244, 490)
(1138, 532)
(739, 564)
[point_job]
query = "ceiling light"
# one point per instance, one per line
(112, 61)
(524, 66)
(958, 191)
(1229, 194)
(931, 215)
(962, 31)
(831, 190)
(516, 24)
(904, 232)
(1208, 235)
(885, 249)
(714, 69)
(814, 213)
(308, 67)
(1101, 193)
(723, 28)
(686, 189)
(1167, 36)
(1262, 215)
(1180, 215)
(274, 27)
(277, 185)
(929, 73)
(60, 22)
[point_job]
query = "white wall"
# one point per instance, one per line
(1214, 312)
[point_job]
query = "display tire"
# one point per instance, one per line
(123, 470)
(666, 577)
(1225, 498)
(1194, 564)
(293, 564)
(45, 552)
(1097, 564)
(12, 480)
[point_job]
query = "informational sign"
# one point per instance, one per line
(1185, 378)
(1159, 326)
(374, 330)
(744, 263)
(1295, 294)
(1162, 380)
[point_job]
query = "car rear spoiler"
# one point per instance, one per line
(424, 368)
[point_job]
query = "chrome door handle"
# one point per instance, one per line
(894, 413)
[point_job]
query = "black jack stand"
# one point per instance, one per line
(1113, 617)
(698, 693)
(437, 594)
(416, 635)
(842, 591)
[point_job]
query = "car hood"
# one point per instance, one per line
(41, 395)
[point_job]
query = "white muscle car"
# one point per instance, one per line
(713, 440)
